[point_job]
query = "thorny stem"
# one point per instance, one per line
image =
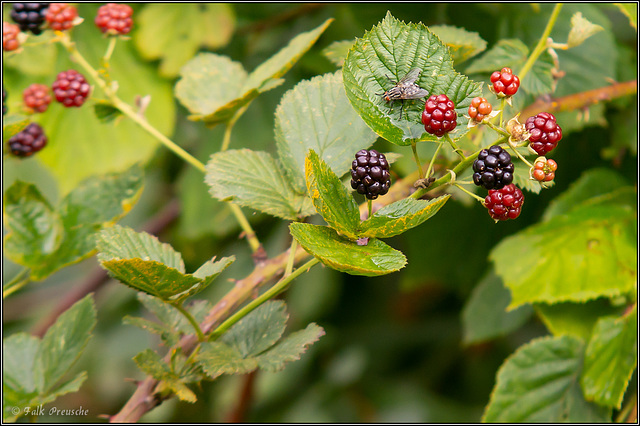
(127, 110)
(542, 43)
(272, 292)
(417, 158)
(191, 320)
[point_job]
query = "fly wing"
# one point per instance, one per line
(411, 76)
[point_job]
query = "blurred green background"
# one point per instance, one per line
(394, 348)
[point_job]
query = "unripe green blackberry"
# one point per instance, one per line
(370, 174)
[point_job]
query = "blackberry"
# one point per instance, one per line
(29, 16)
(370, 174)
(479, 108)
(505, 203)
(37, 97)
(504, 82)
(28, 141)
(71, 88)
(493, 168)
(544, 170)
(10, 36)
(60, 16)
(439, 115)
(545, 132)
(114, 18)
(4, 98)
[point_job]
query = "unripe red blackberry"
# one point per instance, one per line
(479, 108)
(10, 36)
(71, 88)
(493, 168)
(504, 82)
(28, 141)
(114, 18)
(545, 132)
(37, 97)
(544, 170)
(60, 16)
(29, 16)
(505, 203)
(370, 174)
(439, 115)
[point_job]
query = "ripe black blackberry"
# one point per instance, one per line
(29, 16)
(28, 141)
(370, 174)
(493, 168)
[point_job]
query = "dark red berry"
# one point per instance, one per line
(479, 108)
(504, 82)
(545, 132)
(71, 88)
(370, 174)
(505, 203)
(114, 18)
(439, 115)
(10, 36)
(28, 141)
(29, 16)
(37, 97)
(60, 16)
(493, 168)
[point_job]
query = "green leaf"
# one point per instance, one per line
(592, 186)
(13, 124)
(337, 51)
(35, 230)
(391, 49)
(254, 179)
(150, 362)
(140, 261)
(462, 44)
(63, 343)
(485, 314)
(376, 258)
(330, 197)
(585, 254)
(18, 357)
(69, 386)
(214, 88)
(192, 25)
(259, 330)
(630, 11)
(217, 358)
(513, 53)
(338, 132)
(106, 112)
(290, 349)
(539, 384)
(79, 144)
(400, 216)
(574, 319)
(611, 358)
(581, 29)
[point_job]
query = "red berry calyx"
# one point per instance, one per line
(504, 82)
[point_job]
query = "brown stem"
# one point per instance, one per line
(580, 100)
(239, 414)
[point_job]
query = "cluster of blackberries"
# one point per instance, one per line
(370, 174)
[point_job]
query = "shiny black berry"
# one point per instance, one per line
(28, 141)
(493, 168)
(29, 16)
(370, 174)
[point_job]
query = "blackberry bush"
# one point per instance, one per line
(439, 115)
(370, 174)
(71, 88)
(28, 141)
(29, 16)
(493, 168)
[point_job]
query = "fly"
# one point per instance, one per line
(404, 89)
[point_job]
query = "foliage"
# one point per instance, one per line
(423, 310)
